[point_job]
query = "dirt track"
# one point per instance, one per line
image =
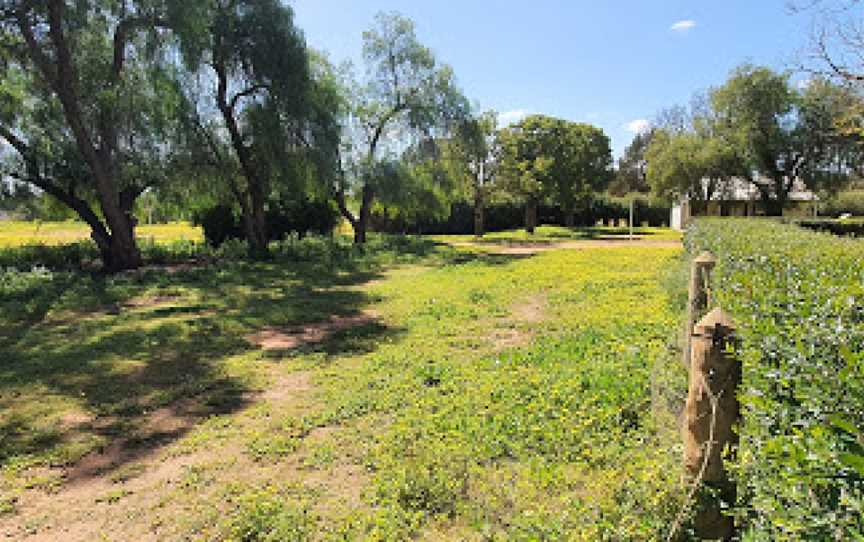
(535, 248)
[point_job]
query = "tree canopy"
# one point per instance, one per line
(548, 158)
(89, 96)
(759, 129)
(406, 97)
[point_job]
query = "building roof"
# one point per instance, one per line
(739, 189)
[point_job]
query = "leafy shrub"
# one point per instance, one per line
(849, 228)
(219, 223)
(851, 202)
(284, 218)
(72, 256)
(798, 298)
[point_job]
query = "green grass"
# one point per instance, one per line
(495, 398)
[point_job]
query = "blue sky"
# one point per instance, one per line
(610, 63)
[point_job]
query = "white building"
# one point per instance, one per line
(740, 197)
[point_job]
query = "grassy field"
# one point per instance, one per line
(16, 233)
(411, 390)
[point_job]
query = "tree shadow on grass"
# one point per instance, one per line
(93, 390)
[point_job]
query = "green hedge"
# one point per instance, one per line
(798, 299)
(851, 202)
(848, 228)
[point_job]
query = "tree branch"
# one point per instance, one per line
(34, 49)
(248, 92)
(17, 143)
(121, 36)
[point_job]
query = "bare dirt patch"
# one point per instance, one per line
(518, 331)
(278, 338)
(166, 423)
(285, 387)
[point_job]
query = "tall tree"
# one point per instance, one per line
(89, 104)
(692, 164)
(544, 157)
(473, 154)
(407, 97)
(632, 173)
(582, 168)
(257, 61)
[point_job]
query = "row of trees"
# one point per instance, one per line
(221, 102)
(756, 128)
(760, 128)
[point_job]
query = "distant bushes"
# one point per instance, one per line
(848, 228)
(510, 216)
(851, 202)
(798, 300)
(284, 218)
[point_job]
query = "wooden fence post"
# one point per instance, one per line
(710, 415)
(698, 297)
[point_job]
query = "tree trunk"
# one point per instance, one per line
(124, 253)
(118, 249)
(259, 242)
(256, 223)
(530, 216)
(479, 214)
(362, 222)
(570, 218)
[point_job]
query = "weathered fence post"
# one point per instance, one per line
(698, 296)
(710, 414)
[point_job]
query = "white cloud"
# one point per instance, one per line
(638, 126)
(511, 117)
(683, 26)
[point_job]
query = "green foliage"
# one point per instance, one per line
(284, 218)
(851, 228)
(785, 134)
(690, 163)
(756, 128)
(264, 516)
(546, 157)
(103, 112)
(631, 175)
(407, 97)
(797, 299)
(848, 202)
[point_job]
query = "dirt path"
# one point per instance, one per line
(518, 248)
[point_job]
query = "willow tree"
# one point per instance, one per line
(89, 106)
(473, 155)
(269, 112)
(407, 97)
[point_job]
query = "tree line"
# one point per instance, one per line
(759, 129)
(108, 106)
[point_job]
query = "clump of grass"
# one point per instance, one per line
(265, 516)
